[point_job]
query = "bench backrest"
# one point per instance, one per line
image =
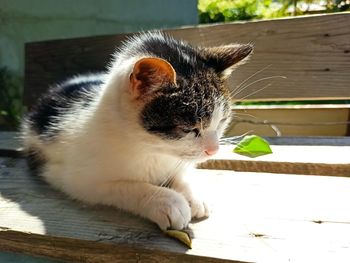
(312, 53)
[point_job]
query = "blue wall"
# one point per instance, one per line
(34, 20)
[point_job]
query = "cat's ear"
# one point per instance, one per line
(149, 74)
(225, 58)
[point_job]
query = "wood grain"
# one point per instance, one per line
(306, 120)
(291, 159)
(75, 250)
(311, 52)
(255, 217)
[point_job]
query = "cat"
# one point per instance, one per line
(126, 137)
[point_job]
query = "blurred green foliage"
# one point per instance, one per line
(338, 5)
(11, 106)
(212, 11)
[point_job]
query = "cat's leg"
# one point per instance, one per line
(166, 207)
(199, 208)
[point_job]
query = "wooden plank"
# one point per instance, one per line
(311, 52)
(35, 208)
(89, 54)
(76, 250)
(290, 121)
(296, 159)
(304, 141)
(255, 217)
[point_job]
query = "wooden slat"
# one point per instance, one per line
(307, 160)
(291, 120)
(304, 141)
(10, 144)
(89, 54)
(76, 250)
(312, 52)
(255, 217)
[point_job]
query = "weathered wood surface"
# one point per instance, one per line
(255, 217)
(75, 250)
(313, 53)
(296, 159)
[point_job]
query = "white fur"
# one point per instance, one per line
(103, 156)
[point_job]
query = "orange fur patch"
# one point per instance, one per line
(149, 74)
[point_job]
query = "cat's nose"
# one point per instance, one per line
(211, 143)
(211, 151)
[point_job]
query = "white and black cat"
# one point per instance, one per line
(126, 138)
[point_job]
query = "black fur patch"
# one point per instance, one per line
(57, 102)
(188, 105)
(198, 88)
(183, 57)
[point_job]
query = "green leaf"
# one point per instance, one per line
(252, 146)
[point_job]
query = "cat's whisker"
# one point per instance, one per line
(254, 82)
(168, 179)
(173, 173)
(202, 129)
(233, 95)
(251, 76)
(237, 117)
(244, 134)
(254, 74)
(276, 130)
(266, 86)
(244, 114)
(197, 108)
(235, 139)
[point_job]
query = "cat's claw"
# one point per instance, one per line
(171, 212)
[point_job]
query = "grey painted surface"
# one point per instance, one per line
(27, 21)
(6, 257)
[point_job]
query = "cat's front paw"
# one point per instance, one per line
(170, 211)
(199, 208)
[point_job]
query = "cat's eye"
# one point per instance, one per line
(194, 130)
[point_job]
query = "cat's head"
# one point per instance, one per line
(182, 100)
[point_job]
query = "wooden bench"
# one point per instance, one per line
(311, 54)
(290, 206)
